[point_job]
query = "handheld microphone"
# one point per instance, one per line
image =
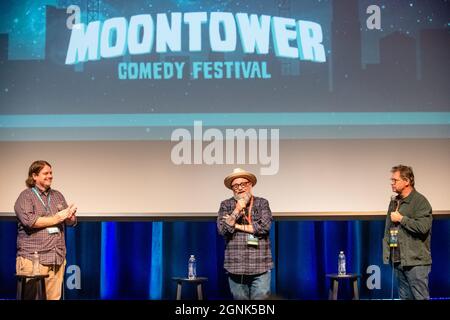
(243, 199)
(394, 206)
(394, 203)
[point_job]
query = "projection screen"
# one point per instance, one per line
(145, 109)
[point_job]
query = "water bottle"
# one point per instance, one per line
(35, 261)
(192, 267)
(341, 264)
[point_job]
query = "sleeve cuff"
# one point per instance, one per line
(32, 221)
(404, 221)
(255, 228)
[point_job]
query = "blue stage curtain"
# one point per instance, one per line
(8, 234)
(136, 260)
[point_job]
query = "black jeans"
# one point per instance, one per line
(413, 282)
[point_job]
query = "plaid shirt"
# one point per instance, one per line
(28, 208)
(241, 258)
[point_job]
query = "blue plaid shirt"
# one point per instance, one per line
(241, 258)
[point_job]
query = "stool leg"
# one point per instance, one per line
(43, 291)
(330, 291)
(20, 289)
(199, 291)
(355, 290)
(179, 290)
(335, 289)
(38, 290)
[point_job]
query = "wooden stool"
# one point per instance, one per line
(334, 285)
(198, 281)
(37, 283)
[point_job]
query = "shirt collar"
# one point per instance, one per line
(42, 192)
(409, 197)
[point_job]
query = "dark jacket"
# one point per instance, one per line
(414, 234)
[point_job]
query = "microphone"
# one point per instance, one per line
(243, 200)
(394, 206)
(393, 230)
(394, 203)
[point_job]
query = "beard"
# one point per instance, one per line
(244, 196)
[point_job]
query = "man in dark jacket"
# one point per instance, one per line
(407, 236)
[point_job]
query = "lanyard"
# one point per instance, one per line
(47, 207)
(249, 216)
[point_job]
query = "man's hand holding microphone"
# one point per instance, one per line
(396, 217)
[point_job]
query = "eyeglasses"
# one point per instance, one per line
(394, 181)
(237, 186)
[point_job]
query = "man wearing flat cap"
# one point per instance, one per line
(244, 221)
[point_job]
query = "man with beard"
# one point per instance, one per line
(244, 221)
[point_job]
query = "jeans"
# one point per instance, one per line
(413, 282)
(250, 287)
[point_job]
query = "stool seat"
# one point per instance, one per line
(198, 281)
(335, 278)
(31, 282)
